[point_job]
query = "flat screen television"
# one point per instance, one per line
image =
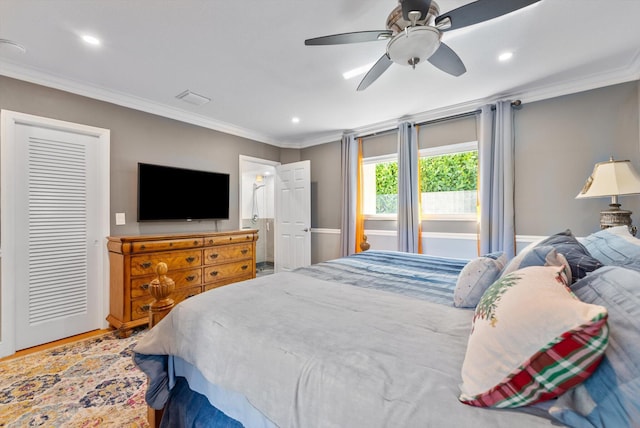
(170, 193)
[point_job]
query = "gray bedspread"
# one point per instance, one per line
(311, 353)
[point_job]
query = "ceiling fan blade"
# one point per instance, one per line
(374, 72)
(479, 11)
(419, 5)
(355, 37)
(447, 60)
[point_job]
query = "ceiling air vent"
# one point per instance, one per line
(192, 98)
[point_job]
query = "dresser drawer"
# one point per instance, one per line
(134, 259)
(227, 252)
(228, 280)
(169, 244)
(140, 307)
(146, 264)
(231, 239)
(222, 271)
(182, 278)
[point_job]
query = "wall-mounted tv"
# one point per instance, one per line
(170, 193)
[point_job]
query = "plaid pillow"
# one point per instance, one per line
(532, 340)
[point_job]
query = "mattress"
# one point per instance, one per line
(352, 342)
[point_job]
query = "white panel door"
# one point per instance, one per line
(293, 216)
(59, 241)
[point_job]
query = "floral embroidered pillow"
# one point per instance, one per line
(531, 340)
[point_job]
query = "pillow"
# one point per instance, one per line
(544, 255)
(612, 245)
(531, 340)
(579, 258)
(514, 263)
(609, 398)
(476, 277)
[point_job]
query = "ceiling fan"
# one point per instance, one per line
(414, 32)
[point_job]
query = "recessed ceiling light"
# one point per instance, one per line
(357, 71)
(295, 120)
(91, 40)
(505, 56)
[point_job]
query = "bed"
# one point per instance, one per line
(382, 339)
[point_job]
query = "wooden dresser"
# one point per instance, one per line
(197, 262)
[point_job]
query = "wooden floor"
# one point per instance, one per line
(49, 345)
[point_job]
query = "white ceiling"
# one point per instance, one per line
(249, 58)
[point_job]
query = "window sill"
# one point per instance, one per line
(432, 217)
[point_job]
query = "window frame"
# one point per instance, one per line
(425, 152)
(375, 160)
(449, 149)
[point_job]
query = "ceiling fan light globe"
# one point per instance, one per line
(413, 45)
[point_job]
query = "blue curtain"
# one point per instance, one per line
(496, 182)
(408, 189)
(349, 169)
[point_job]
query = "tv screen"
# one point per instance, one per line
(169, 193)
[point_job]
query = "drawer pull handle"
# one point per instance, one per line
(190, 259)
(195, 242)
(213, 256)
(244, 267)
(145, 286)
(214, 273)
(210, 241)
(145, 308)
(245, 251)
(142, 247)
(145, 265)
(171, 244)
(190, 278)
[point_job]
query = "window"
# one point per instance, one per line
(448, 183)
(380, 186)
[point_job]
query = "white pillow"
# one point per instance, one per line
(476, 277)
(531, 340)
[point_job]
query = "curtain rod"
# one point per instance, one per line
(516, 104)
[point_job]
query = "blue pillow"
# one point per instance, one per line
(611, 396)
(544, 255)
(629, 264)
(577, 255)
(614, 245)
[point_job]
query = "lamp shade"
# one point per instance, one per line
(611, 178)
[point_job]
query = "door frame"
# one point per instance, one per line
(242, 163)
(8, 241)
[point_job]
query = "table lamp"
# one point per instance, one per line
(612, 178)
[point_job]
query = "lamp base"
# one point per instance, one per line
(614, 216)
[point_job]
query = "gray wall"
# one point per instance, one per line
(326, 184)
(558, 141)
(141, 137)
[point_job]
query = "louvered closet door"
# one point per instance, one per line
(56, 284)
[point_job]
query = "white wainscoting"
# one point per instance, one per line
(325, 243)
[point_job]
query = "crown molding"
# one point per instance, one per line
(526, 93)
(125, 100)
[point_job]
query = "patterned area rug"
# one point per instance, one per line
(89, 383)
